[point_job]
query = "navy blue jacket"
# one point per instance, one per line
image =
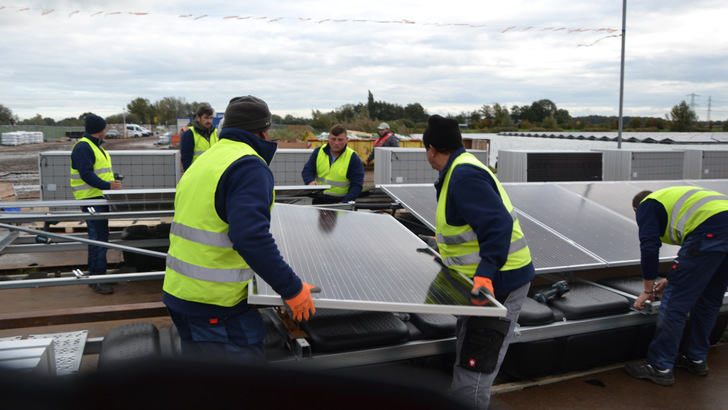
(243, 199)
(83, 159)
(473, 199)
(652, 222)
(355, 173)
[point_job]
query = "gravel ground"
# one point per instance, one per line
(19, 164)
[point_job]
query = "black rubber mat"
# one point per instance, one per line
(535, 314)
(434, 325)
(334, 329)
(585, 301)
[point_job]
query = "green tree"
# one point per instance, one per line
(549, 123)
(501, 116)
(416, 113)
(6, 115)
(370, 104)
(38, 120)
(143, 110)
(634, 123)
(563, 119)
(322, 121)
(170, 108)
(72, 122)
(682, 117)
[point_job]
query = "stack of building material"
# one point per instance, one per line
(21, 137)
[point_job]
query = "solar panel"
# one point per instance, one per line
(550, 253)
(364, 261)
(602, 232)
(141, 199)
(419, 199)
(718, 185)
(616, 196)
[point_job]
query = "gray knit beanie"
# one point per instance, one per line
(247, 113)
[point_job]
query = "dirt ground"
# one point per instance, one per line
(19, 164)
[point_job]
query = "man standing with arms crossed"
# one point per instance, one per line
(697, 220)
(479, 236)
(198, 138)
(90, 174)
(220, 236)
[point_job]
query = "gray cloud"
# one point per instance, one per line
(451, 59)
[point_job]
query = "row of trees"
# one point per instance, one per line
(138, 111)
(541, 114)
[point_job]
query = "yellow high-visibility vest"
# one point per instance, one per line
(334, 174)
(102, 169)
(687, 207)
(202, 265)
(201, 143)
(458, 245)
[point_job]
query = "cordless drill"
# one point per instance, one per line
(557, 290)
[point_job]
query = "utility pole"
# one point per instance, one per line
(621, 74)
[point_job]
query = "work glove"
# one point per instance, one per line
(482, 286)
(300, 307)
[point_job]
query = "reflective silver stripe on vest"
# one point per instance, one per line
(221, 240)
(199, 152)
(209, 274)
(517, 245)
(81, 187)
(462, 260)
(471, 236)
(325, 181)
(676, 211)
(457, 239)
(680, 225)
(96, 171)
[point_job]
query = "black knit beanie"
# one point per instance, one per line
(442, 133)
(94, 124)
(247, 113)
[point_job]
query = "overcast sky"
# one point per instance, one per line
(63, 58)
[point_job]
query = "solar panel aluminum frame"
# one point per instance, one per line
(364, 261)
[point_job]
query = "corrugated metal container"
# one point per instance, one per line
(705, 164)
(626, 165)
(408, 165)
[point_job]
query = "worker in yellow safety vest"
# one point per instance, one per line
(91, 174)
(479, 236)
(220, 236)
(337, 165)
(199, 136)
(696, 219)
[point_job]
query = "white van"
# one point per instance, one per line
(136, 131)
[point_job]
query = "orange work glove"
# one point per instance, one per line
(301, 307)
(481, 287)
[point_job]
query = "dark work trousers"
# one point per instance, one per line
(473, 388)
(234, 338)
(696, 285)
(98, 230)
